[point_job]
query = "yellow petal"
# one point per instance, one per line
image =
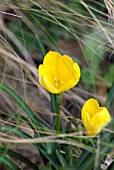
(48, 85)
(76, 71)
(69, 73)
(46, 79)
(43, 72)
(98, 121)
(86, 120)
(58, 73)
(51, 61)
(68, 85)
(90, 106)
(65, 68)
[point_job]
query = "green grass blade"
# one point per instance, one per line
(17, 115)
(68, 155)
(110, 98)
(68, 127)
(38, 146)
(16, 131)
(61, 158)
(47, 167)
(21, 103)
(50, 148)
(8, 163)
(42, 48)
(23, 159)
(85, 159)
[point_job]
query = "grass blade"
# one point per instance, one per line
(110, 98)
(21, 103)
(23, 159)
(38, 146)
(42, 48)
(61, 158)
(8, 163)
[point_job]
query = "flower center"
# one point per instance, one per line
(56, 82)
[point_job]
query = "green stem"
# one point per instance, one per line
(58, 117)
(53, 102)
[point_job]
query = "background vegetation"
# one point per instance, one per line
(82, 29)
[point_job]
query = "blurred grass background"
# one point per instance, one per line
(82, 29)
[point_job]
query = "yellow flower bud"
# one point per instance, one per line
(58, 73)
(94, 117)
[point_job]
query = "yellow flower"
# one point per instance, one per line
(58, 73)
(94, 117)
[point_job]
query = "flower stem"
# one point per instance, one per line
(58, 117)
(53, 102)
